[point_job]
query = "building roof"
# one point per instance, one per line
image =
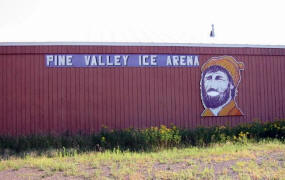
(137, 44)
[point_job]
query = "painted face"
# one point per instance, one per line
(216, 89)
(216, 83)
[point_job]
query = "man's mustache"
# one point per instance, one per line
(212, 89)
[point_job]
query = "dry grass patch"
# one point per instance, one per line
(221, 161)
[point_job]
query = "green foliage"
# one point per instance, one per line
(153, 138)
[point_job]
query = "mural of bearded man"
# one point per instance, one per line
(219, 82)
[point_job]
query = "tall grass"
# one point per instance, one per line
(149, 139)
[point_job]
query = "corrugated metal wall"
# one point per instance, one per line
(37, 99)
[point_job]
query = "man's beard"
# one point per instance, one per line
(215, 101)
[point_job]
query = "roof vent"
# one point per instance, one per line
(212, 33)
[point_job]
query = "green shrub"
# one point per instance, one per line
(148, 139)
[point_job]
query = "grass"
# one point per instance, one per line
(136, 140)
(263, 160)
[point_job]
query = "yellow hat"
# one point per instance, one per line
(227, 62)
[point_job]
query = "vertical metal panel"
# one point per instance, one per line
(19, 84)
(129, 110)
(2, 92)
(147, 97)
(54, 99)
(264, 75)
(263, 84)
(161, 96)
(142, 99)
(121, 104)
(59, 106)
(278, 87)
(13, 109)
(166, 102)
(271, 94)
(72, 98)
(139, 98)
(77, 100)
(175, 110)
(99, 109)
(109, 94)
(124, 98)
(279, 90)
(90, 99)
(282, 80)
(151, 92)
(264, 105)
(7, 96)
(112, 94)
(10, 75)
(33, 95)
(85, 111)
(64, 99)
(37, 94)
(116, 98)
(80, 100)
(168, 107)
(135, 81)
(269, 90)
(6, 120)
(44, 95)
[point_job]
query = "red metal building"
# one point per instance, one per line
(35, 98)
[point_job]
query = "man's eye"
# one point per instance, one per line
(209, 77)
(218, 78)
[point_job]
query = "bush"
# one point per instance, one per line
(152, 138)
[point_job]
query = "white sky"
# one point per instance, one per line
(160, 21)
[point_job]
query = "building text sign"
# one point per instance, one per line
(121, 60)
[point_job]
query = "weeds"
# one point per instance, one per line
(218, 161)
(150, 139)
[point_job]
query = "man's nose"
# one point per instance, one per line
(213, 84)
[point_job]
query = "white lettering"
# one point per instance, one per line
(49, 60)
(144, 60)
(55, 60)
(87, 60)
(153, 60)
(140, 60)
(117, 60)
(196, 61)
(109, 63)
(122, 60)
(125, 58)
(182, 60)
(93, 61)
(175, 60)
(101, 63)
(61, 60)
(169, 62)
(69, 60)
(189, 61)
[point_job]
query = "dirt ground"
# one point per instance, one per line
(219, 167)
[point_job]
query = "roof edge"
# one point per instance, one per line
(138, 44)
